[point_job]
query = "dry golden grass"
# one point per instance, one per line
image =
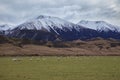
(97, 47)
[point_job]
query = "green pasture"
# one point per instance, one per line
(60, 68)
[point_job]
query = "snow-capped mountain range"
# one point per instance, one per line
(47, 23)
(99, 25)
(54, 28)
(49, 26)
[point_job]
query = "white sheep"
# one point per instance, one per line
(30, 59)
(15, 59)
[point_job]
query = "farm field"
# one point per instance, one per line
(60, 68)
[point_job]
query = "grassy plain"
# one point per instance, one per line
(60, 68)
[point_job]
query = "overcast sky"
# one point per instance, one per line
(17, 11)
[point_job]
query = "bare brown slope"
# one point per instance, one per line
(36, 50)
(97, 46)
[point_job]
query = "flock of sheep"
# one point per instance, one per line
(20, 59)
(36, 59)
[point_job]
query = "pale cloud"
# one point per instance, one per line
(17, 11)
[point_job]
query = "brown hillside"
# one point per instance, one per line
(98, 46)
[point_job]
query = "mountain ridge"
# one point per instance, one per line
(50, 25)
(53, 28)
(99, 25)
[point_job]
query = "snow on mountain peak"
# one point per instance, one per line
(47, 23)
(99, 25)
(4, 27)
(43, 16)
